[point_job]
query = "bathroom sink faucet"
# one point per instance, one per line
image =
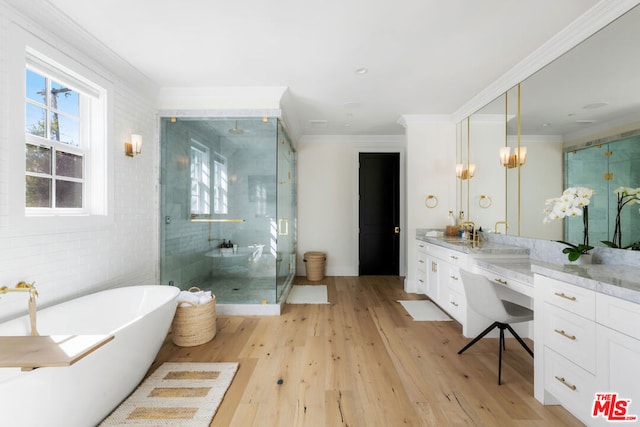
(33, 294)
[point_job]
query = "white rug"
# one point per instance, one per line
(308, 294)
(176, 394)
(424, 310)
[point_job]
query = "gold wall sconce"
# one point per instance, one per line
(133, 147)
(464, 173)
(518, 158)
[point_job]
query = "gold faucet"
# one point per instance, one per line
(506, 227)
(33, 294)
(474, 236)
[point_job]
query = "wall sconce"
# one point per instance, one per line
(518, 158)
(463, 173)
(133, 147)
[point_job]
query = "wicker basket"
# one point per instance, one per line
(194, 324)
(315, 265)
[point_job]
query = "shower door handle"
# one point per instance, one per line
(283, 226)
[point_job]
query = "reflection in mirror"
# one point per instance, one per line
(487, 134)
(605, 167)
(581, 98)
(588, 94)
(462, 164)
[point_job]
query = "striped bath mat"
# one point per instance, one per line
(176, 394)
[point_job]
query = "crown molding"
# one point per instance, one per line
(596, 18)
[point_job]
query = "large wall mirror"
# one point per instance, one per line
(587, 97)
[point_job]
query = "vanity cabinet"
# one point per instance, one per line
(586, 342)
(443, 282)
(421, 262)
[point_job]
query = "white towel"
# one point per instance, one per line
(199, 297)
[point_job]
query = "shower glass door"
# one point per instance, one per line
(219, 207)
(286, 207)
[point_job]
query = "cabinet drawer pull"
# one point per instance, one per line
(421, 261)
(420, 280)
(563, 295)
(502, 282)
(564, 382)
(422, 246)
(454, 277)
(564, 334)
(453, 257)
(453, 303)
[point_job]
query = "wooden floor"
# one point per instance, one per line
(362, 361)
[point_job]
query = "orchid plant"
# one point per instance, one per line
(626, 196)
(574, 201)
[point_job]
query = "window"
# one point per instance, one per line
(220, 185)
(200, 179)
(64, 141)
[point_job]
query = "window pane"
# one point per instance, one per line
(64, 99)
(35, 120)
(36, 87)
(38, 192)
(68, 194)
(38, 159)
(68, 164)
(64, 129)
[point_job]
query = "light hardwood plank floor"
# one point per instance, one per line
(363, 361)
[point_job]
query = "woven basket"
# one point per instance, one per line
(194, 324)
(315, 265)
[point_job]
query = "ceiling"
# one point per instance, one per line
(420, 56)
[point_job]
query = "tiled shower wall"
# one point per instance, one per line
(125, 252)
(185, 243)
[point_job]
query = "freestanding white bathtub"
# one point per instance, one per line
(86, 392)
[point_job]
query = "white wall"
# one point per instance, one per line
(77, 261)
(431, 158)
(328, 198)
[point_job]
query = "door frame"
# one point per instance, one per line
(379, 148)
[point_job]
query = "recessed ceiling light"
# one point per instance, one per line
(595, 105)
(362, 71)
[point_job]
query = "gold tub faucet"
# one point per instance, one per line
(33, 294)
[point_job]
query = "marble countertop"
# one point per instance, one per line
(620, 281)
(468, 247)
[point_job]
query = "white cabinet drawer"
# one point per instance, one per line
(457, 306)
(572, 336)
(454, 281)
(618, 314)
(514, 285)
(573, 298)
(453, 257)
(572, 386)
(422, 261)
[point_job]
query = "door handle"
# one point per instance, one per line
(396, 230)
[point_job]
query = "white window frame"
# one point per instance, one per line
(220, 184)
(200, 178)
(82, 150)
(99, 186)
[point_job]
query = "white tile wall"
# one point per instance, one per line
(72, 263)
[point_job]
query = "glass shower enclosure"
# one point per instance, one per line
(228, 207)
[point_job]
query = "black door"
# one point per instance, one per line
(379, 184)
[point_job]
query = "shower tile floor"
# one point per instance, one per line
(241, 290)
